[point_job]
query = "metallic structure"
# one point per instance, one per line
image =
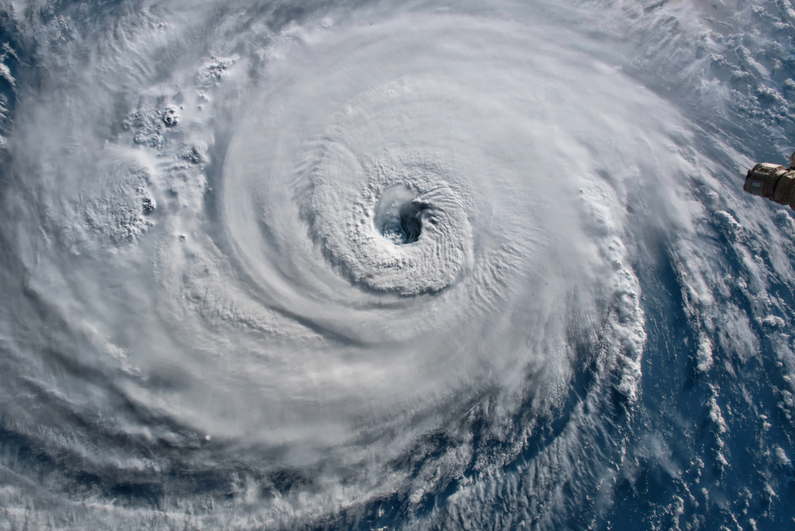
(773, 181)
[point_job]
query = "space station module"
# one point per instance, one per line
(773, 181)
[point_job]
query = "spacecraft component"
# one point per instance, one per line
(773, 181)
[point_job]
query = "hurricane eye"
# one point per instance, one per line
(399, 215)
(406, 226)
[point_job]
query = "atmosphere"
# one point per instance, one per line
(395, 265)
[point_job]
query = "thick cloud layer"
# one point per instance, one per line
(271, 266)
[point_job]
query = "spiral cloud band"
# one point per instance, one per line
(272, 267)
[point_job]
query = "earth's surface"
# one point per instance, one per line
(395, 265)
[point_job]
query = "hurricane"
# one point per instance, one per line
(395, 265)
